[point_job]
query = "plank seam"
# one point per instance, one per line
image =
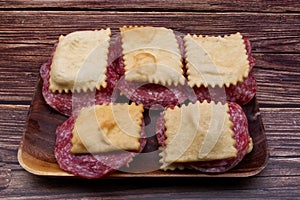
(145, 10)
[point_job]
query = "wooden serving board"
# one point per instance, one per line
(36, 151)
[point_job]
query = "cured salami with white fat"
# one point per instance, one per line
(240, 93)
(88, 165)
(64, 102)
(154, 96)
(241, 136)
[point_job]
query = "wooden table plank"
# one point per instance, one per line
(28, 30)
(166, 5)
(269, 32)
(247, 188)
(26, 39)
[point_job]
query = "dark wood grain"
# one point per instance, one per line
(25, 41)
(269, 32)
(143, 5)
(28, 30)
(250, 188)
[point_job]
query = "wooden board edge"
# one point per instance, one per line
(39, 167)
(42, 168)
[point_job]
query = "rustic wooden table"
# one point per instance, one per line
(28, 30)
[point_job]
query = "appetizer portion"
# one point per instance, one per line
(80, 65)
(151, 66)
(225, 63)
(208, 137)
(100, 140)
(157, 70)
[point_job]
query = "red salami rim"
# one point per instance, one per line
(67, 103)
(154, 96)
(241, 93)
(89, 166)
(151, 95)
(241, 135)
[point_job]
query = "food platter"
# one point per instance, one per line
(36, 151)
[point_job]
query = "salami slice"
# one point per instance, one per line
(154, 96)
(240, 93)
(63, 102)
(160, 130)
(241, 135)
(88, 165)
(151, 95)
